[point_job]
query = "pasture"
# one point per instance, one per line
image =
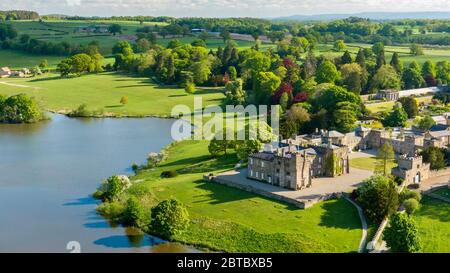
(103, 92)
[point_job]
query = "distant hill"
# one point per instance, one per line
(369, 15)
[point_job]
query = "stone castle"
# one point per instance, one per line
(294, 162)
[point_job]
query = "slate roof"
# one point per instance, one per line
(264, 156)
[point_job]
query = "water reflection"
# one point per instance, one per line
(49, 171)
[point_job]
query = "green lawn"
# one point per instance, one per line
(104, 91)
(366, 163)
(433, 220)
(444, 192)
(388, 105)
(232, 220)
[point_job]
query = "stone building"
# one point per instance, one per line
(5, 72)
(293, 167)
(411, 169)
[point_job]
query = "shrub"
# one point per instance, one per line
(134, 213)
(407, 194)
(81, 111)
(135, 167)
(124, 100)
(169, 218)
(402, 235)
(111, 210)
(112, 187)
(169, 174)
(411, 205)
(189, 88)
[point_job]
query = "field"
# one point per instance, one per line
(58, 31)
(19, 59)
(228, 219)
(433, 220)
(430, 53)
(104, 91)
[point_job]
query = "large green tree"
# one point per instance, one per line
(265, 85)
(327, 73)
(397, 117)
(410, 106)
(378, 197)
(384, 159)
(402, 234)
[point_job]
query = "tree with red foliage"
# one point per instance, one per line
(430, 80)
(288, 63)
(285, 87)
(301, 97)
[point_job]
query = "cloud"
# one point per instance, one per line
(222, 8)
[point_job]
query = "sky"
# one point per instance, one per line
(221, 8)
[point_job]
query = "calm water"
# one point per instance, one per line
(48, 171)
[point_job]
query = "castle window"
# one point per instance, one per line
(251, 160)
(278, 170)
(251, 172)
(262, 164)
(257, 175)
(262, 175)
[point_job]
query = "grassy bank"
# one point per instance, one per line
(433, 220)
(231, 220)
(102, 93)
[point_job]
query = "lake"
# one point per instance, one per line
(49, 170)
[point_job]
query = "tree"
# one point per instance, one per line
(402, 234)
(345, 117)
(416, 49)
(19, 109)
(378, 48)
(410, 106)
(264, 86)
(142, 45)
(232, 73)
(339, 45)
(353, 77)
(226, 35)
(378, 197)
(412, 78)
(410, 205)
(426, 123)
(429, 69)
(327, 73)
(115, 28)
(201, 71)
(397, 117)
(219, 145)
(80, 63)
(124, 100)
(346, 58)
(386, 78)
(381, 60)
(244, 148)
(361, 58)
(293, 120)
(435, 156)
(43, 64)
(234, 92)
(169, 218)
(384, 159)
(396, 63)
(309, 66)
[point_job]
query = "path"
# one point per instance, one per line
(362, 243)
(18, 85)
